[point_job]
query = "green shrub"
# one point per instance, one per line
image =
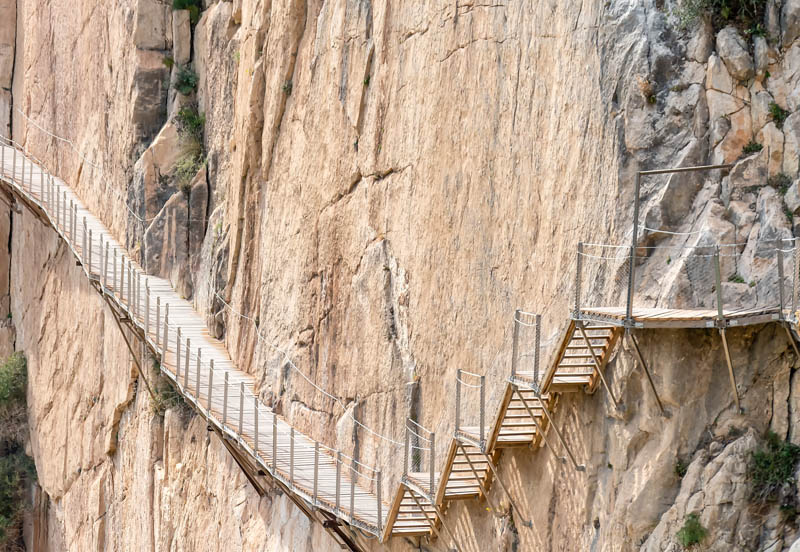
(190, 125)
(168, 62)
(781, 182)
(747, 15)
(13, 378)
(681, 468)
(752, 147)
(736, 279)
(166, 397)
(194, 7)
(692, 531)
(772, 468)
(190, 122)
(186, 80)
(778, 114)
(16, 472)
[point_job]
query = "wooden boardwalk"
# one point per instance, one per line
(317, 478)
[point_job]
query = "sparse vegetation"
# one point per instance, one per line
(194, 7)
(781, 182)
(287, 88)
(752, 147)
(190, 123)
(692, 531)
(771, 470)
(778, 114)
(747, 15)
(680, 468)
(736, 279)
(168, 62)
(17, 470)
(186, 80)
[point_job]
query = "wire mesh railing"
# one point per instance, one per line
(617, 284)
(419, 456)
(471, 391)
(320, 475)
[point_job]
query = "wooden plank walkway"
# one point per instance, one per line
(313, 473)
(195, 361)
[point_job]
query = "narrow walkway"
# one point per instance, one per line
(196, 362)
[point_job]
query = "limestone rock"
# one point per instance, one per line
(790, 21)
(717, 76)
(761, 56)
(8, 18)
(182, 37)
(149, 92)
(792, 197)
(772, 139)
(791, 154)
(748, 173)
(734, 53)
(152, 22)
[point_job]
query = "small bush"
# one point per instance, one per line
(778, 114)
(681, 468)
(168, 62)
(190, 122)
(165, 397)
(692, 531)
(186, 80)
(747, 15)
(194, 7)
(736, 279)
(13, 378)
(781, 182)
(287, 88)
(772, 468)
(752, 147)
(16, 472)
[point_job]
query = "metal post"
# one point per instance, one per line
(378, 501)
(130, 285)
(780, 280)
(483, 412)
(255, 424)
(225, 401)
(638, 352)
(405, 452)
(718, 279)
(14, 163)
(211, 388)
(83, 252)
(458, 399)
(291, 456)
(241, 407)
(30, 175)
(795, 274)
(165, 342)
(22, 177)
(598, 364)
(74, 220)
(316, 472)
(634, 239)
(89, 270)
(197, 376)
(105, 267)
(353, 491)
(274, 441)
(138, 301)
(114, 274)
(57, 206)
(186, 366)
(432, 463)
(158, 320)
(576, 313)
(537, 348)
(122, 279)
(146, 309)
(514, 344)
(338, 479)
(178, 357)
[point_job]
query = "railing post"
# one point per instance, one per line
(718, 279)
(316, 472)
(483, 411)
(89, 268)
(158, 321)
(576, 313)
(353, 477)
(130, 285)
(338, 479)
(197, 375)
(225, 401)
(432, 462)
(146, 307)
(378, 501)
(241, 408)
(74, 220)
(138, 301)
(406, 451)
(122, 279)
(795, 273)
(83, 252)
(56, 205)
(211, 387)
(458, 398)
(22, 176)
(30, 176)
(537, 346)
(255, 425)
(114, 275)
(634, 240)
(3, 160)
(515, 344)
(779, 252)
(13, 163)
(274, 443)
(105, 267)
(291, 456)
(178, 359)
(165, 341)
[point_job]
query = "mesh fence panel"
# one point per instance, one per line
(602, 275)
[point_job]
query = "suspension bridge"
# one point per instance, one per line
(342, 494)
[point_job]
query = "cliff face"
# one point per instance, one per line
(383, 184)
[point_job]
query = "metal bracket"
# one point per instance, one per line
(638, 352)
